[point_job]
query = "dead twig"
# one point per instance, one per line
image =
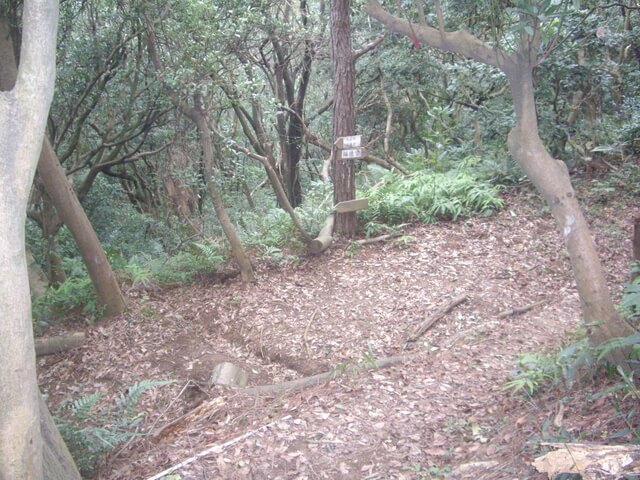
(381, 238)
(306, 332)
(437, 315)
(520, 311)
(218, 448)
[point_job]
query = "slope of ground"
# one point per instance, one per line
(441, 412)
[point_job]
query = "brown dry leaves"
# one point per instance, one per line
(443, 409)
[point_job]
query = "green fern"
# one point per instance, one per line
(206, 252)
(89, 432)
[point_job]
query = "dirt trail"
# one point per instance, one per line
(442, 412)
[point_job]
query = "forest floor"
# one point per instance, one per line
(443, 412)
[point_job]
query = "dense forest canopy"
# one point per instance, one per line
(188, 139)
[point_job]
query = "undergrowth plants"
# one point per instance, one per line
(89, 431)
(428, 197)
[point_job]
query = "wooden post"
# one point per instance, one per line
(324, 238)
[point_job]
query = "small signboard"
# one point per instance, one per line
(352, 153)
(349, 142)
(352, 205)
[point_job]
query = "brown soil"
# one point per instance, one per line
(442, 412)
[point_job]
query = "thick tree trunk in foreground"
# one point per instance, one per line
(61, 195)
(23, 115)
(58, 464)
(74, 217)
(548, 175)
(344, 117)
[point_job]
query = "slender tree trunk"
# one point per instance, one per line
(23, 115)
(551, 179)
(74, 217)
(197, 115)
(549, 176)
(344, 119)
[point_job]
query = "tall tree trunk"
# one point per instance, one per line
(67, 207)
(551, 179)
(50, 226)
(549, 176)
(23, 115)
(74, 217)
(344, 118)
(197, 115)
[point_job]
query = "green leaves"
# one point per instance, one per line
(428, 197)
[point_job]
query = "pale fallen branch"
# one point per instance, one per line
(218, 448)
(207, 408)
(520, 311)
(437, 315)
(305, 340)
(49, 345)
(300, 383)
(591, 461)
(381, 238)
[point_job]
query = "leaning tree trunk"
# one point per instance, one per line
(23, 115)
(206, 143)
(551, 179)
(74, 217)
(548, 175)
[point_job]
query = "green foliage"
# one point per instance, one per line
(272, 228)
(75, 295)
(89, 432)
(535, 370)
(429, 197)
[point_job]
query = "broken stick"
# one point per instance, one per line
(437, 315)
(521, 310)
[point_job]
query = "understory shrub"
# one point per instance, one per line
(89, 431)
(428, 197)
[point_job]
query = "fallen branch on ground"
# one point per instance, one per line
(62, 343)
(324, 238)
(215, 449)
(520, 311)
(305, 339)
(437, 315)
(300, 383)
(381, 238)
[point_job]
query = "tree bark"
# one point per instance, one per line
(74, 217)
(196, 114)
(549, 176)
(344, 119)
(636, 244)
(23, 115)
(324, 238)
(57, 461)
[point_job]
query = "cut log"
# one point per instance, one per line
(591, 461)
(49, 345)
(324, 238)
(437, 315)
(227, 373)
